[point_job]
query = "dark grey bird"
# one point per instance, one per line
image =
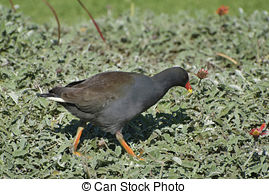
(110, 99)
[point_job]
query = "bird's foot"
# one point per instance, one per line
(77, 154)
(140, 154)
(81, 155)
(119, 137)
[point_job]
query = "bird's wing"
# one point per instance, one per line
(94, 94)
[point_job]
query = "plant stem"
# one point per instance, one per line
(56, 17)
(96, 25)
(12, 5)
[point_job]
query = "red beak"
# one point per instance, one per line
(188, 87)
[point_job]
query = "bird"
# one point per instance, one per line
(111, 99)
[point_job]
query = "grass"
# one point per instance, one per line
(204, 135)
(70, 12)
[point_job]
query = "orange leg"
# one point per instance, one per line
(119, 137)
(77, 138)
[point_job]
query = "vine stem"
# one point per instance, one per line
(96, 25)
(56, 17)
(12, 5)
(227, 57)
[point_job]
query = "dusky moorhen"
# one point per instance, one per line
(111, 99)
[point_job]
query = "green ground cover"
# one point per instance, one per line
(70, 12)
(203, 135)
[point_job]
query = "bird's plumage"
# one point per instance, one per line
(111, 99)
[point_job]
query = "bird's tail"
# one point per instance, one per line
(51, 96)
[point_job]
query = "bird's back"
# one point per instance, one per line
(108, 98)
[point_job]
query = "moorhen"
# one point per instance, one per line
(111, 99)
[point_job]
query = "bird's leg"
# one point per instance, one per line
(77, 138)
(119, 137)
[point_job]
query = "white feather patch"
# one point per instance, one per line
(57, 99)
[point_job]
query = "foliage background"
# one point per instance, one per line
(205, 135)
(71, 13)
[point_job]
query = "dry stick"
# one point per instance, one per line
(96, 25)
(12, 5)
(56, 17)
(227, 57)
(132, 9)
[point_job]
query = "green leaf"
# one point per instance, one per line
(177, 160)
(14, 96)
(20, 152)
(168, 138)
(118, 151)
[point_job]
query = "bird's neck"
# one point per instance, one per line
(165, 80)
